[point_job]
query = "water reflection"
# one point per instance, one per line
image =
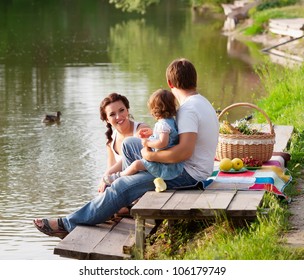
(68, 56)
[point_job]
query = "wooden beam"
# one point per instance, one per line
(245, 204)
(81, 241)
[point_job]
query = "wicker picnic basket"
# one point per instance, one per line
(258, 146)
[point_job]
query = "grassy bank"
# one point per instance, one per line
(262, 239)
(284, 105)
(260, 18)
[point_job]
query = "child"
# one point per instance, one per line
(162, 106)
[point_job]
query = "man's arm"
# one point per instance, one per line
(181, 152)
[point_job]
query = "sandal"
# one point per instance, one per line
(109, 179)
(61, 232)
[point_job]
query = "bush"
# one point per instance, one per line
(269, 4)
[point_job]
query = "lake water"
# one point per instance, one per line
(67, 56)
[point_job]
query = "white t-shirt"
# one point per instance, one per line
(197, 115)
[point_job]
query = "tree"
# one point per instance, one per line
(138, 6)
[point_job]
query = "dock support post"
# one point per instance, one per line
(140, 236)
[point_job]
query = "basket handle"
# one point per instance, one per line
(251, 106)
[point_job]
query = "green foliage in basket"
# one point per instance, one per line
(239, 127)
(244, 127)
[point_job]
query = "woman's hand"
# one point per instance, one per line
(102, 186)
(145, 132)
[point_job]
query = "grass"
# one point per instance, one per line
(263, 239)
(260, 19)
(193, 240)
(284, 105)
(255, 241)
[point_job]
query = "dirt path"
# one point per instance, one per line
(295, 237)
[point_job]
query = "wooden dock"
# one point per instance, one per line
(108, 241)
(288, 27)
(115, 239)
(288, 52)
(194, 204)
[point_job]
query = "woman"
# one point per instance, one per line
(114, 109)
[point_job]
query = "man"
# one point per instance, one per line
(198, 135)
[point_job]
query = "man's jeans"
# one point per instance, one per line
(122, 192)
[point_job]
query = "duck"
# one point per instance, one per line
(49, 118)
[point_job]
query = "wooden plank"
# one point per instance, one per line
(179, 204)
(287, 27)
(295, 23)
(211, 203)
(81, 241)
(151, 203)
(220, 186)
(289, 32)
(111, 246)
(245, 204)
(191, 203)
(182, 200)
(105, 241)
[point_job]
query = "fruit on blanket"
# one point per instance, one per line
(251, 162)
(225, 164)
(237, 164)
(160, 184)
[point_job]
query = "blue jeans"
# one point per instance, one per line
(122, 192)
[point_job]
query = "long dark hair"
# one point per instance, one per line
(111, 98)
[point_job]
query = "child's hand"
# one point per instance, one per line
(144, 142)
(145, 132)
